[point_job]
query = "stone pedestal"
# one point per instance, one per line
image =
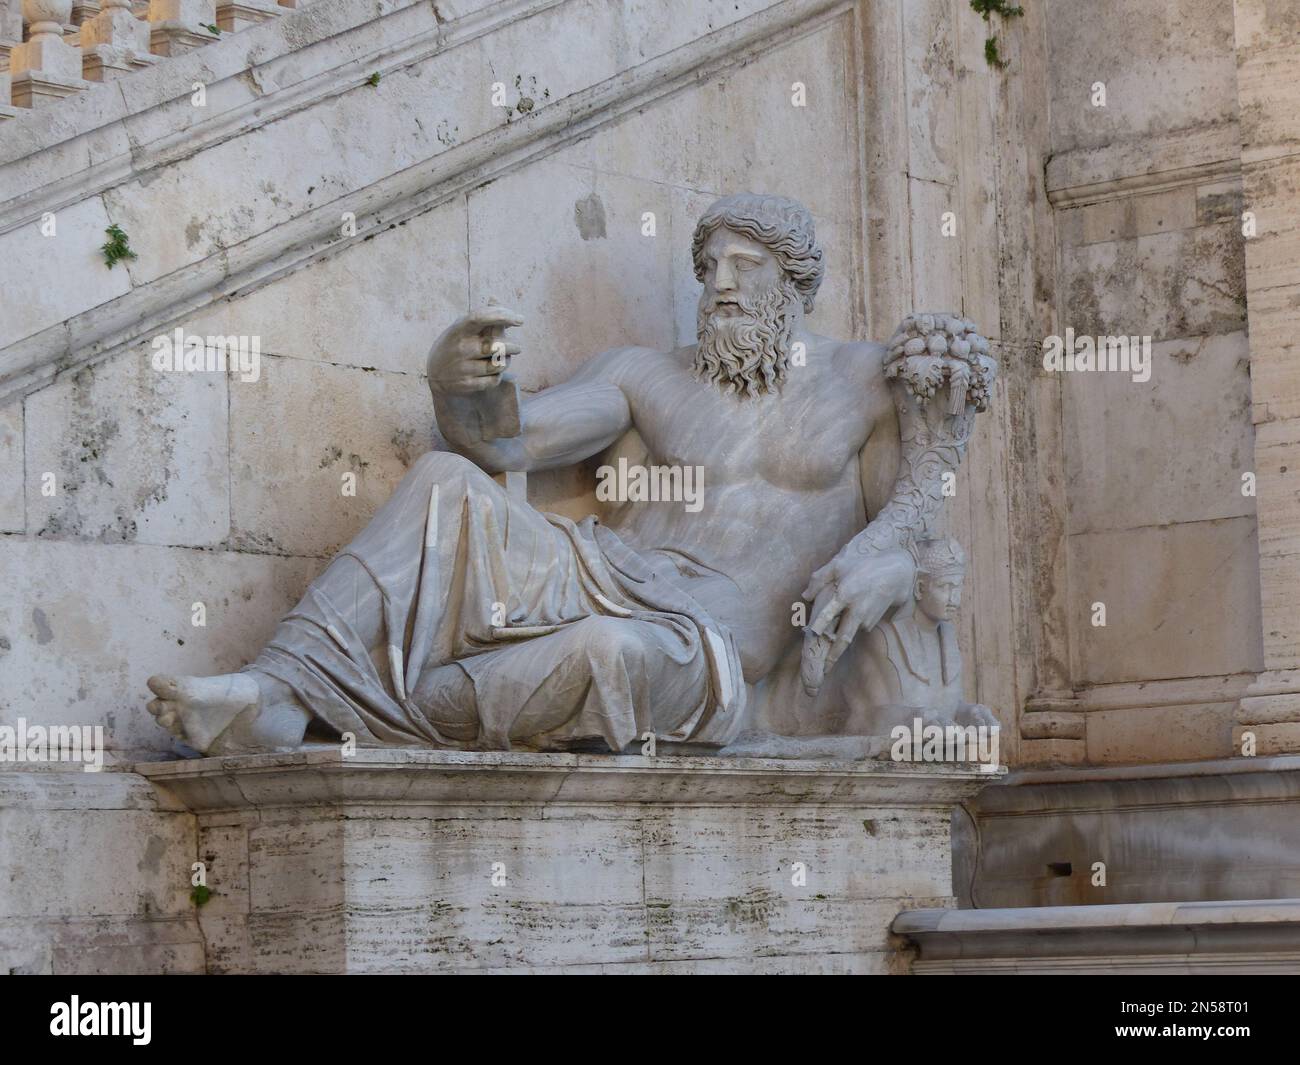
(427, 861)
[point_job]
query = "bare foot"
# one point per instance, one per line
(200, 710)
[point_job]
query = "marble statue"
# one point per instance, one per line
(910, 666)
(463, 617)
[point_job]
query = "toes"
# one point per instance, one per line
(158, 707)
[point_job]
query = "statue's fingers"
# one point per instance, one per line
(492, 317)
(849, 626)
(816, 583)
(824, 612)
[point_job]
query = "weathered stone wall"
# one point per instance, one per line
(1146, 188)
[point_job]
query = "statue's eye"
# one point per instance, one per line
(745, 264)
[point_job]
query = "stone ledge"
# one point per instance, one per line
(416, 776)
(1243, 935)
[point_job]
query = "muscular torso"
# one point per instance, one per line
(781, 483)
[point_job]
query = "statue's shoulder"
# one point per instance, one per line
(859, 361)
(613, 364)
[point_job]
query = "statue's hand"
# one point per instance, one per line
(851, 593)
(471, 355)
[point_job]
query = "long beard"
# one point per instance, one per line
(748, 353)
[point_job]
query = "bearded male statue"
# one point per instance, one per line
(463, 617)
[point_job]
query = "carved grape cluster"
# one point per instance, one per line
(929, 350)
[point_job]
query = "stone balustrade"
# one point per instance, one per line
(50, 49)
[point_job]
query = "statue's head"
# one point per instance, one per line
(759, 262)
(941, 567)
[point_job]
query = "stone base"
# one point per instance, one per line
(234, 15)
(94, 875)
(1197, 938)
(1177, 832)
(428, 861)
(177, 38)
(37, 90)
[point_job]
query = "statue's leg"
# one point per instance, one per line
(598, 678)
(444, 531)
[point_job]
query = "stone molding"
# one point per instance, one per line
(1236, 936)
(442, 777)
(1082, 176)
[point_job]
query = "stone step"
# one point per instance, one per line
(1239, 936)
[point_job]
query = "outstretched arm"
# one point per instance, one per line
(483, 416)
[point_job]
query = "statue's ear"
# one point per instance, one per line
(878, 461)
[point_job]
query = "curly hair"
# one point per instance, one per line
(784, 226)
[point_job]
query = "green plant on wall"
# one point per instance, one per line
(117, 247)
(986, 9)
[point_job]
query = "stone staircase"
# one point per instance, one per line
(53, 49)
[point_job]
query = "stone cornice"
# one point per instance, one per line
(1082, 176)
(148, 309)
(427, 777)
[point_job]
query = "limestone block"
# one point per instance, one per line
(936, 259)
(565, 249)
(930, 68)
(1277, 462)
(94, 875)
(1129, 462)
(1272, 193)
(86, 608)
(1166, 734)
(1275, 353)
(1152, 581)
(298, 430)
(40, 295)
(1179, 284)
(1266, 23)
(12, 513)
(740, 129)
(1176, 68)
(1279, 577)
(1270, 99)
(377, 303)
(136, 454)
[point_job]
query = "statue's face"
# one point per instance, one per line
(739, 273)
(746, 314)
(938, 598)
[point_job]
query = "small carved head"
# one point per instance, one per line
(940, 570)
